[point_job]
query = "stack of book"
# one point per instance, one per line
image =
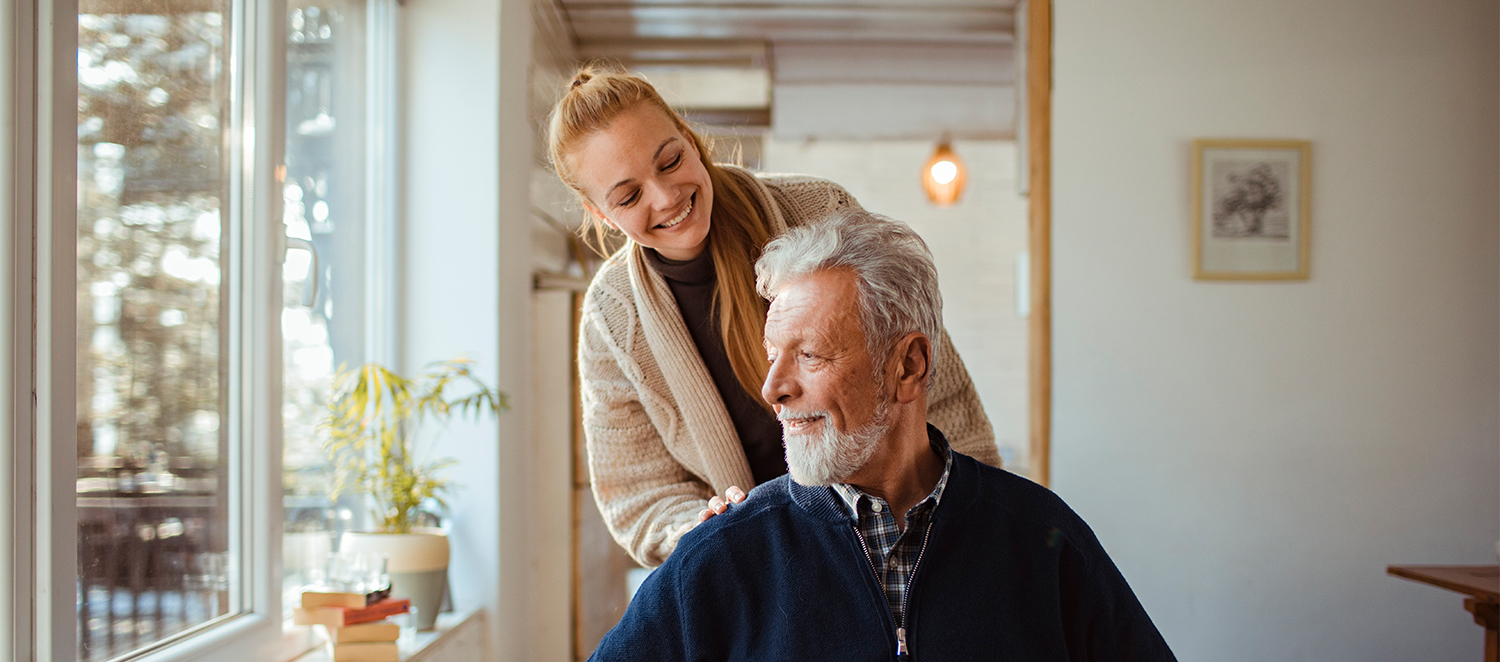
(357, 629)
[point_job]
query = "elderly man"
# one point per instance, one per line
(882, 542)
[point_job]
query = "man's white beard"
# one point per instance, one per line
(832, 456)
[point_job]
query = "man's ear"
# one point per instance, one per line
(597, 214)
(912, 356)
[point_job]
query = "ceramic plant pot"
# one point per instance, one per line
(417, 563)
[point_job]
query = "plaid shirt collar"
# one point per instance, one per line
(851, 495)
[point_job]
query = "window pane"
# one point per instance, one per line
(153, 464)
(323, 202)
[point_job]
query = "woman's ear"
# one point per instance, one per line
(598, 215)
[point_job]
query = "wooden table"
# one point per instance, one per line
(1480, 582)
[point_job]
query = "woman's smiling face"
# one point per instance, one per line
(643, 177)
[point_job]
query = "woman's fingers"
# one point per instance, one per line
(718, 505)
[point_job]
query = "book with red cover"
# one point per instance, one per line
(337, 617)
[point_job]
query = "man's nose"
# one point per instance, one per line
(780, 386)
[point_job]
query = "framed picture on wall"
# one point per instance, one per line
(1251, 209)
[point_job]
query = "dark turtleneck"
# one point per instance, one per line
(692, 283)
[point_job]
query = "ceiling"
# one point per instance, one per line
(737, 33)
(863, 68)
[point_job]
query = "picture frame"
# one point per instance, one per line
(1252, 209)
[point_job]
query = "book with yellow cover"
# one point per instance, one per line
(366, 652)
(320, 599)
(365, 632)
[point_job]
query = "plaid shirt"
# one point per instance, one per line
(894, 553)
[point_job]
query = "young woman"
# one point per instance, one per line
(670, 351)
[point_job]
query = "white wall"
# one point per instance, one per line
(975, 244)
(1253, 455)
(465, 285)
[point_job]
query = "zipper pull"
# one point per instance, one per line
(900, 642)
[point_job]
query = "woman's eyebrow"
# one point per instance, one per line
(654, 155)
(662, 146)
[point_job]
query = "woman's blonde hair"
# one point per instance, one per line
(737, 225)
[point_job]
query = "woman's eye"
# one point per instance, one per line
(627, 201)
(675, 160)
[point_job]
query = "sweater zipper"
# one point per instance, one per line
(906, 597)
(868, 558)
(901, 650)
(900, 631)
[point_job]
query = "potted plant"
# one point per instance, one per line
(373, 416)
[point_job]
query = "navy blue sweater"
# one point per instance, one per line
(1009, 573)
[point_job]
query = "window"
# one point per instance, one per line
(162, 432)
(154, 105)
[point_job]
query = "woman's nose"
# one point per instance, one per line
(660, 196)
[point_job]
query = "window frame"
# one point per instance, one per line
(38, 469)
(22, 167)
(53, 363)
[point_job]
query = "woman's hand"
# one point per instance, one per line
(718, 505)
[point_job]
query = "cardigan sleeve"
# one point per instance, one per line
(802, 199)
(953, 407)
(646, 497)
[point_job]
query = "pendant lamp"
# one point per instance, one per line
(944, 175)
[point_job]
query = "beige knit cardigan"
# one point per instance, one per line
(660, 441)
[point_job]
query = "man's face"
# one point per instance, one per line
(821, 382)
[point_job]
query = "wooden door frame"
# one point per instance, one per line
(1039, 170)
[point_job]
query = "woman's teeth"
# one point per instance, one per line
(679, 218)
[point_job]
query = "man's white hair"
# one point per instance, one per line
(898, 284)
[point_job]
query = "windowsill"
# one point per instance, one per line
(449, 626)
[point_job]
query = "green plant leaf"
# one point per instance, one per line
(372, 420)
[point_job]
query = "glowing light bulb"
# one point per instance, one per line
(944, 171)
(943, 175)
